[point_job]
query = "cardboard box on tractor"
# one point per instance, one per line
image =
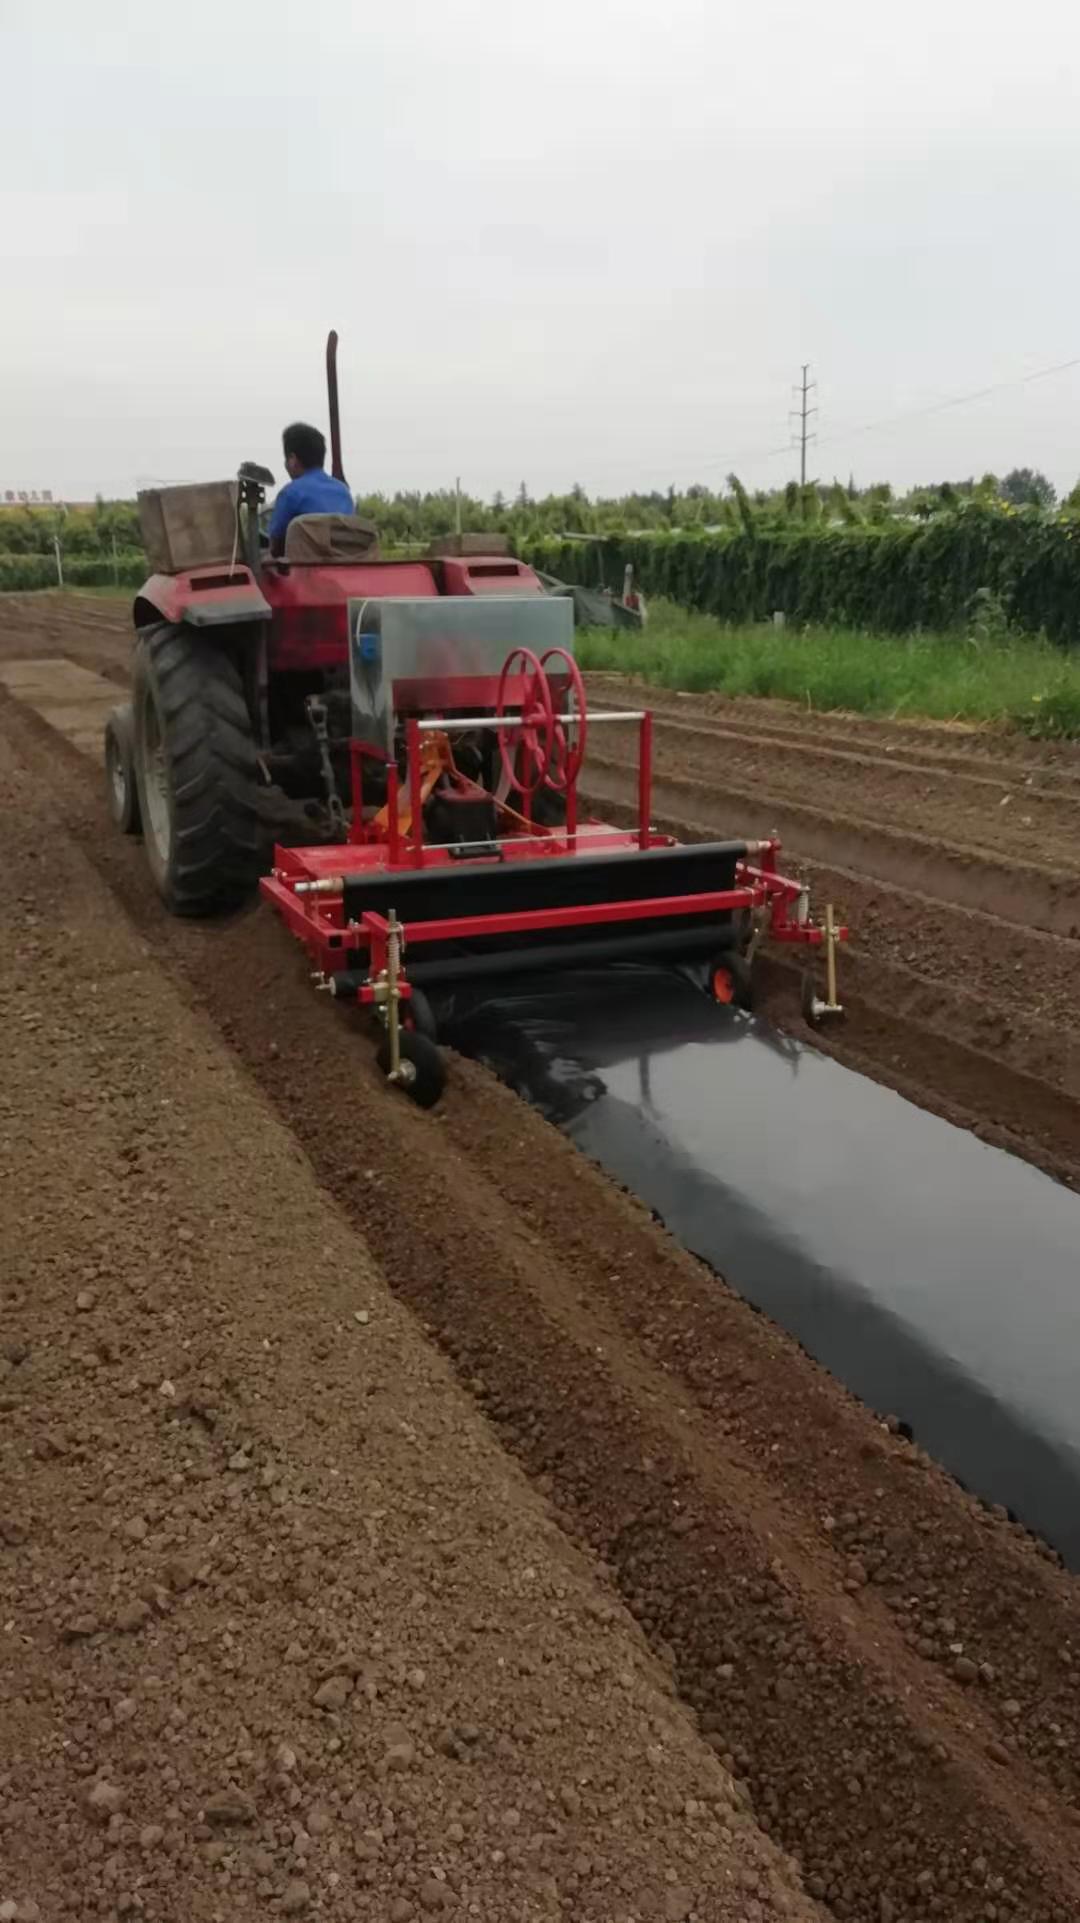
(188, 527)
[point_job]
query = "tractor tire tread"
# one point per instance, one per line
(217, 841)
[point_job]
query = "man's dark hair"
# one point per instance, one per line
(306, 443)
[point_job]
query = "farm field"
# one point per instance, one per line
(627, 1609)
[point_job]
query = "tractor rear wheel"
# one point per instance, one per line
(121, 792)
(198, 781)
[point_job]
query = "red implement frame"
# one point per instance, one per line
(307, 885)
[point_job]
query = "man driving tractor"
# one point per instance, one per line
(310, 489)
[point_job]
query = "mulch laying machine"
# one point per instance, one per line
(470, 721)
(412, 736)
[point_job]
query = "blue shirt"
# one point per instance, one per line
(316, 492)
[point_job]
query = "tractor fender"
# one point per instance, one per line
(201, 598)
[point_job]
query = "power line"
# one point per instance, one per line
(841, 434)
(954, 400)
(912, 413)
(734, 460)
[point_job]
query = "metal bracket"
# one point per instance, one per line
(814, 1008)
(401, 1070)
(315, 708)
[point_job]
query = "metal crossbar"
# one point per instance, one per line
(512, 721)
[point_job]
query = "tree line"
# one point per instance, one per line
(412, 517)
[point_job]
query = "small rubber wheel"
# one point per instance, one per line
(418, 1015)
(809, 999)
(731, 980)
(121, 788)
(427, 1077)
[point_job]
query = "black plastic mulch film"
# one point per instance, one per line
(938, 1277)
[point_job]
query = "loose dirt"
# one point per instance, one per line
(890, 1672)
(284, 1632)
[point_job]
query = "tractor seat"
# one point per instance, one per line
(331, 537)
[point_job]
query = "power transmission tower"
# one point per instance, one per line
(802, 416)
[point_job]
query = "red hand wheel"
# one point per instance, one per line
(569, 746)
(526, 743)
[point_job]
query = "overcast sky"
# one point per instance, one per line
(583, 240)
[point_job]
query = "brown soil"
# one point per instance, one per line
(892, 1673)
(285, 1632)
(93, 632)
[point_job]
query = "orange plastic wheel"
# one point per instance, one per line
(731, 980)
(723, 986)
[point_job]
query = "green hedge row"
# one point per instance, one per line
(27, 571)
(898, 576)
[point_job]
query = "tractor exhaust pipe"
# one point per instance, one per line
(336, 468)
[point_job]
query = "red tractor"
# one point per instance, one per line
(411, 735)
(240, 718)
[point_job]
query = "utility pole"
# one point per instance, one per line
(457, 503)
(802, 414)
(58, 545)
